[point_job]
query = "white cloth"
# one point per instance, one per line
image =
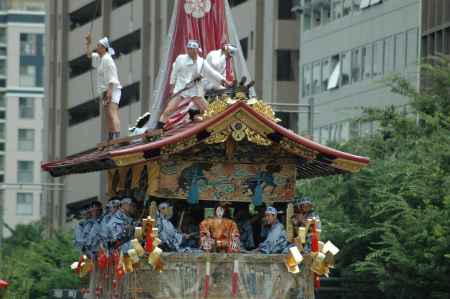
(184, 70)
(116, 94)
(105, 42)
(218, 61)
(106, 72)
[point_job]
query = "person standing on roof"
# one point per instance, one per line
(186, 88)
(220, 60)
(108, 85)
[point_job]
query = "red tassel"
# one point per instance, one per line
(206, 288)
(316, 281)
(315, 248)
(102, 260)
(149, 238)
(234, 284)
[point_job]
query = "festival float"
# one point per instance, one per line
(236, 154)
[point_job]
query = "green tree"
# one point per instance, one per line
(34, 265)
(392, 219)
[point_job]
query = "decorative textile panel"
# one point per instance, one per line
(226, 182)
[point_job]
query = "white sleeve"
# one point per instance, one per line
(173, 74)
(95, 59)
(210, 74)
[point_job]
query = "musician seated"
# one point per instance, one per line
(276, 237)
(219, 234)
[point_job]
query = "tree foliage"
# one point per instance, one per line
(392, 219)
(34, 265)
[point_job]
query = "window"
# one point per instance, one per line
(346, 69)
(326, 12)
(24, 204)
(2, 100)
(2, 67)
(316, 84)
(333, 80)
(85, 14)
(388, 54)
(284, 10)
(377, 58)
(307, 12)
(28, 44)
(356, 5)
(400, 54)
(366, 62)
(412, 46)
(26, 108)
(118, 3)
(2, 163)
(25, 140)
(307, 80)
(244, 46)
(25, 172)
(28, 75)
(439, 42)
(324, 135)
(2, 130)
(2, 146)
(287, 61)
(288, 120)
(3, 51)
(347, 7)
(316, 17)
(325, 73)
(337, 9)
(2, 35)
(235, 2)
(2, 114)
(356, 65)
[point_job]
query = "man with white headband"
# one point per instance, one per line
(185, 82)
(108, 85)
(220, 60)
(276, 238)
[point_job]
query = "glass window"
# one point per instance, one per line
(346, 68)
(356, 6)
(25, 140)
(337, 9)
(2, 130)
(2, 114)
(26, 108)
(356, 65)
(284, 10)
(388, 54)
(25, 172)
(317, 16)
(307, 80)
(316, 78)
(3, 51)
(2, 163)
(377, 53)
(287, 62)
(400, 51)
(347, 7)
(28, 75)
(2, 146)
(244, 46)
(28, 44)
(367, 62)
(439, 42)
(325, 73)
(324, 135)
(326, 11)
(412, 46)
(307, 16)
(333, 80)
(2, 100)
(24, 205)
(2, 67)
(2, 35)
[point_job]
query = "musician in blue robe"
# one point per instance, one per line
(94, 234)
(112, 207)
(83, 226)
(276, 238)
(170, 237)
(121, 226)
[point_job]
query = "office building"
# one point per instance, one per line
(347, 49)
(22, 25)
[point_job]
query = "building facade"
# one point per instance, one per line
(22, 25)
(348, 48)
(268, 33)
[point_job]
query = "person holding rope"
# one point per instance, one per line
(108, 85)
(221, 61)
(186, 89)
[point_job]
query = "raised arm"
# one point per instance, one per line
(87, 45)
(212, 75)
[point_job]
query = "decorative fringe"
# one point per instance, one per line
(235, 279)
(206, 286)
